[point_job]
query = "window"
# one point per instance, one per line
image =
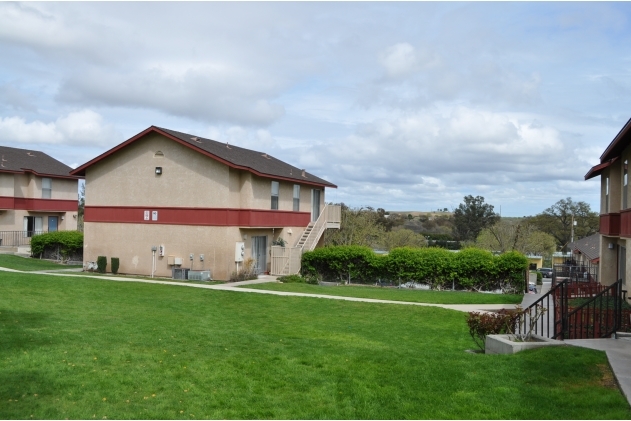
(32, 225)
(47, 188)
(625, 182)
(275, 188)
(607, 194)
(296, 197)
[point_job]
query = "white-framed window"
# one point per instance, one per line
(607, 194)
(625, 183)
(47, 188)
(296, 197)
(33, 225)
(275, 189)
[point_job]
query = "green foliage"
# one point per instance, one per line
(67, 242)
(343, 263)
(279, 242)
(292, 279)
(101, 264)
(520, 235)
(473, 216)
(483, 324)
(539, 278)
(115, 264)
(358, 226)
(471, 269)
(557, 221)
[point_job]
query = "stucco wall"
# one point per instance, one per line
(128, 178)
(132, 243)
(7, 186)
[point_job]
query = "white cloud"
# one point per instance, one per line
(84, 127)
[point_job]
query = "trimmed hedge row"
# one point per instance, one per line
(470, 269)
(65, 243)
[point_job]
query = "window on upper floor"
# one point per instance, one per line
(296, 197)
(275, 189)
(47, 188)
(625, 182)
(607, 194)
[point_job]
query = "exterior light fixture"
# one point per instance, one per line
(158, 170)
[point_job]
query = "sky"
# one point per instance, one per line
(404, 106)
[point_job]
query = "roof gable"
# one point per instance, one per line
(24, 160)
(259, 163)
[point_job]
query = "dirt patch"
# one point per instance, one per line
(606, 377)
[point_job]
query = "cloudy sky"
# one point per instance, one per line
(405, 106)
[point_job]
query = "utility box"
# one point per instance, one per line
(199, 275)
(180, 274)
(239, 251)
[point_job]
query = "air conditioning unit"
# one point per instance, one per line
(180, 273)
(199, 275)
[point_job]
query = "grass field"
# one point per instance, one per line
(91, 349)
(394, 294)
(24, 263)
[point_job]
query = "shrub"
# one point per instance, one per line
(511, 267)
(475, 269)
(342, 263)
(246, 272)
(483, 324)
(539, 278)
(101, 264)
(291, 279)
(115, 264)
(64, 242)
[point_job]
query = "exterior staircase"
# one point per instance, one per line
(286, 260)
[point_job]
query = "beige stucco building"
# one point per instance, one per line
(165, 199)
(615, 209)
(37, 194)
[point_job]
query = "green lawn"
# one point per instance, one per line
(394, 294)
(74, 347)
(25, 263)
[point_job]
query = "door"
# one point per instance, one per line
(315, 205)
(53, 223)
(259, 253)
(32, 225)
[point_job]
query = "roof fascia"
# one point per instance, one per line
(28, 170)
(616, 141)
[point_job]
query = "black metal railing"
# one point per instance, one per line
(577, 310)
(577, 272)
(17, 238)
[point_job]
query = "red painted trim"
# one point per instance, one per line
(198, 216)
(38, 205)
(81, 170)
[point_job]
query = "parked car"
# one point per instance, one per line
(545, 272)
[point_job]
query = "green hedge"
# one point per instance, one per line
(68, 242)
(470, 269)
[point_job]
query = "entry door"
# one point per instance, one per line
(259, 253)
(315, 205)
(53, 223)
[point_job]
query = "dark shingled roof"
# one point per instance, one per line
(588, 246)
(25, 160)
(259, 163)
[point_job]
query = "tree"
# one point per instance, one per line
(557, 221)
(81, 209)
(402, 237)
(521, 236)
(473, 216)
(358, 226)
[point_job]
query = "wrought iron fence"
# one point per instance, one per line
(576, 272)
(17, 238)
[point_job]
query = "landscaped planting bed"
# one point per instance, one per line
(94, 349)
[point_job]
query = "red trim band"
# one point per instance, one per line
(197, 216)
(40, 205)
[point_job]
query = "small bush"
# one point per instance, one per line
(64, 243)
(101, 264)
(539, 278)
(115, 264)
(292, 279)
(246, 272)
(483, 324)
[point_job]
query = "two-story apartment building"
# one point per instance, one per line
(37, 193)
(165, 199)
(615, 209)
